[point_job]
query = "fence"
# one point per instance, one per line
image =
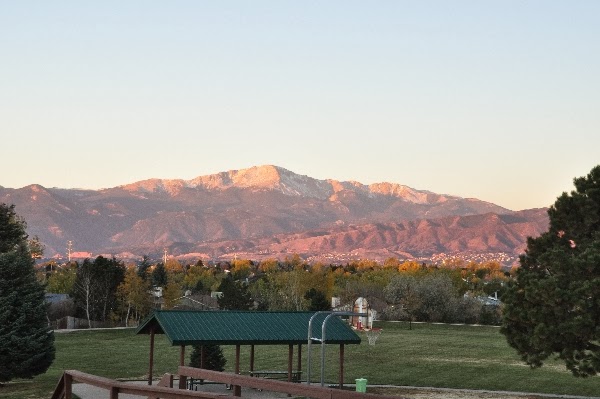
(164, 388)
(309, 391)
(64, 388)
(70, 323)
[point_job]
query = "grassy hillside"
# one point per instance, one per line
(428, 355)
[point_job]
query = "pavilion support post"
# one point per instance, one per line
(237, 390)
(251, 359)
(341, 366)
(290, 360)
(182, 378)
(299, 362)
(182, 356)
(202, 357)
(202, 361)
(151, 361)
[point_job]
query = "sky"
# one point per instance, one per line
(495, 100)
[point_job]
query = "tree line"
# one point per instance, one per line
(110, 290)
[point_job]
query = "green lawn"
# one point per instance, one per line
(470, 357)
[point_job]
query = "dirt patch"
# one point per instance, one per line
(491, 361)
(417, 393)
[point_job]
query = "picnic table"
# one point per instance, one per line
(193, 383)
(277, 374)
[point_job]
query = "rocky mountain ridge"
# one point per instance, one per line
(270, 177)
(263, 207)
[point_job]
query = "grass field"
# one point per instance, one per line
(471, 357)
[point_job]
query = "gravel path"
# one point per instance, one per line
(85, 391)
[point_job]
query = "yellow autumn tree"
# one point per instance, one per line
(241, 268)
(133, 294)
(200, 279)
(171, 295)
(409, 267)
(173, 266)
(393, 263)
(268, 265)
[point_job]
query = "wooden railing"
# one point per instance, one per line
(309, 391)
(64, 387)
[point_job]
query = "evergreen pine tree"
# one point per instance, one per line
(12, 229)
(235, 295)
(213, 357)
(553, 306)
(143, 267)
(318, 300)
(26, 341)
(159, 276)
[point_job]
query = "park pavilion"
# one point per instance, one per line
(238, 328)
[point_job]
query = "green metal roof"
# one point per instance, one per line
(227, 327)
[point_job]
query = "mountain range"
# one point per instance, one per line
(268, 211)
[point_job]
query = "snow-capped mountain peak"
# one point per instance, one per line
(276, 178)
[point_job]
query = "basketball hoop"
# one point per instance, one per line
(372, 335)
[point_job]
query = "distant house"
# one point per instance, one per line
(488, 300)
(198, 302)
(60, 311)
(56, 298)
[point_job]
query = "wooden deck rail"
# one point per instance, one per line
(64, 388)
(310, 391)
(59, 391)
(165, 381)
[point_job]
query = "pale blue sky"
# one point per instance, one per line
(494, 100)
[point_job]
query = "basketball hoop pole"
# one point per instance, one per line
(310, 338)
(323, 339)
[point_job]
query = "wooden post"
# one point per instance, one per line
(182, 356)
(202, 357)
(341, 366)
(151, 361)
(182, 378)
(202, 361)
(290, 360)
(299, 362)
(251, 359)
(237, 390)
(114, 393)
(68, 386)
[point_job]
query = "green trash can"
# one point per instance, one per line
(361, 385)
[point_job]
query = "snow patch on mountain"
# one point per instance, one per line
(266, 177)
(408, 194)
(270, 177)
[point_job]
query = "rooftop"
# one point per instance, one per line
(226, 327)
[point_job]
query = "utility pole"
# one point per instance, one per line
(69, 250)
(165, 257)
